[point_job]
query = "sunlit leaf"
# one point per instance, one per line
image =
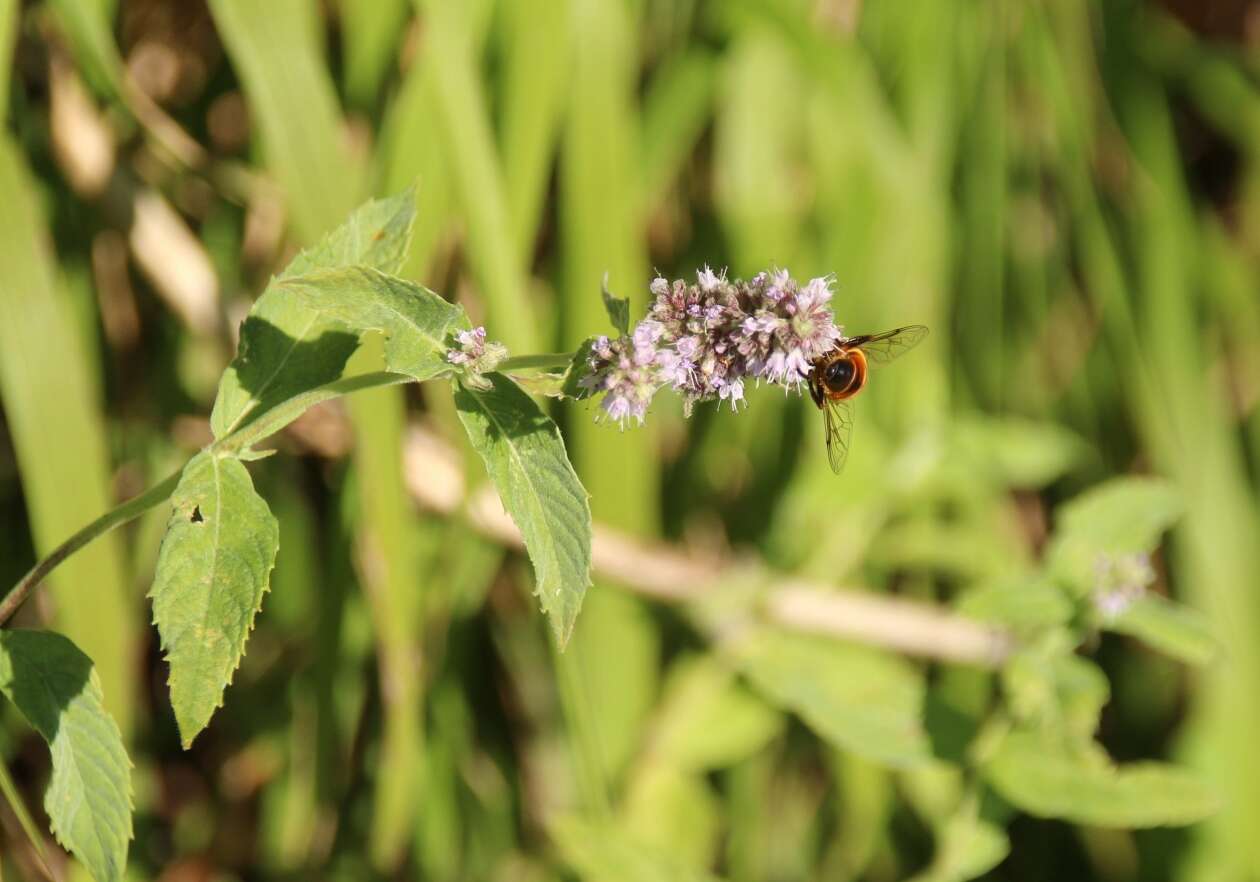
(605, 851)
(1020, 603)
(417, 323)
(707, 720)
(1047, 685)
(1018, 452)
(1168, 627)
(212, 571)
(966, 848)
(526, 460)
(673, 812)
(287, 347)
(1033, 773)
(1122, 516)
(859, 699)
(1125, 514)
(88, 801)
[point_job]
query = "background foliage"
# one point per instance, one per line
(1065, 192)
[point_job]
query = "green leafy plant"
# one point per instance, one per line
(221, 538)
(1032, 748)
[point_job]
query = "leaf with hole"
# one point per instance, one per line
(212, 572)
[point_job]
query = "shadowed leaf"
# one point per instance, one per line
(418, 324)
(287, 347)
(88, 801)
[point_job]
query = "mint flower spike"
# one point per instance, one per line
(628, 371)
(476, 356)
(704, 340)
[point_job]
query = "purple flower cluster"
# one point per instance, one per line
(476, 356)
(627, 371)
(706, 339)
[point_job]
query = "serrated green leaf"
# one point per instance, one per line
(708, 721)
(212, 572)
(1168, 627)
(618, 308)
(88, 801)
(1024, 604)
(526, 460)
(859, 699)
(417, 323)
(1031, 772)
(287, 348)
(605, 851)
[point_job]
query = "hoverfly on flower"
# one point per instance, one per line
(840, 374)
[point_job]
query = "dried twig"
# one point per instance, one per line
(434, 479)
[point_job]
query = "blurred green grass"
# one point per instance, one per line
(1066, 193)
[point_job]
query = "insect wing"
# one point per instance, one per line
(884, 347)
(838, 425)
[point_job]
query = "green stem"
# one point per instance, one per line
(536, 362)
(266, 424)
(128, 511)
(276, 418)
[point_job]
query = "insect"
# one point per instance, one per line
(840, 374)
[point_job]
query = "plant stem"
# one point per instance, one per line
(128, 511)
(536, 362)
(276, 418)
(251, 433)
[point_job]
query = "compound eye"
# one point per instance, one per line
(839, 374)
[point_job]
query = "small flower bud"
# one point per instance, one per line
(476, 356)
